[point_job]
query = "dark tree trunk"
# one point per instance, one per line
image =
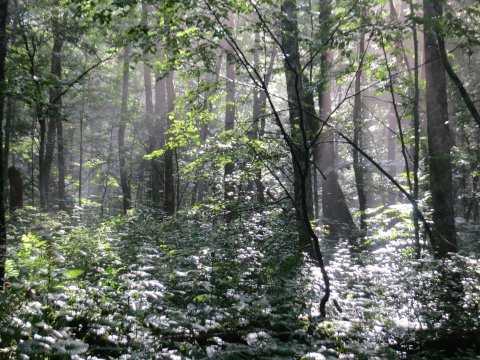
(158, 140)
(124, 182)
(3, 54)
(358, 165)
(48, 128)
(169, 199)
(57, 117)
(259, 106)
(16, 188)
(392, 197)
(302, 124)
(439, 142)
(416, 131)
(229, 188)
(80, 161)
(336, 215)
(153, 120)
(10, 118)
(47, 147)
(298, 119)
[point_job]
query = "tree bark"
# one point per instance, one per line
(16, 188)
(3, 54)
(124, 182)
(158, 139)
(259, 106)
(336, 215)
(57, 73)
(10, 118)
(416, 131)
(298, 124)
(229, 188)
(80, 162)
(439, 142)
(169, 199)
(358, 165)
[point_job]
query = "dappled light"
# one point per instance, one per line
(239, 179)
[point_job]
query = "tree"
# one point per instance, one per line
(124, 181)
(336, 215)
(56, 103)
(3, 54)
(229, 118)
(299, 118)
(439, 141)
(358, 165)
(169, 199)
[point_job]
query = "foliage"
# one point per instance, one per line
(196, 287)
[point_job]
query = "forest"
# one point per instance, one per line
(239, 179)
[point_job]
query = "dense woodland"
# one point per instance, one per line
(239, 179)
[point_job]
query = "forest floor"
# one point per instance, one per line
(198, 287)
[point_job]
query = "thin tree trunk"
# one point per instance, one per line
(107, 174)
(56, 102)
(302, 125)
(336, 215)
(298, 124)
(259, 106)
(55, 118)
(229, 188)
(416, 132)
(358, 138)
(153, 126)
(392, 197)
(10, 118)
(3, 54)
(80, 165)
(439, 142)
(124, 183)
(169, 199)
(158, 142)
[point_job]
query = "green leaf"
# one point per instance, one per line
(73, 273)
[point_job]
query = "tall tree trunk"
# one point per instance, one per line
(124, 183)
(153, 125)
(169, 199)
(48, 128)
(392, 197)
(62, 201)
(298, 124)
(229, 188)
(10, 118)
(80, 161)
(358, 137)
(56, 102)
(302, 124)
(259, 106)
(416, 130)
(336, 215)
(158, 140)
(3, 54)
(46, 169)
(439, 142)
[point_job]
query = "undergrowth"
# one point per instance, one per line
(197, 286)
